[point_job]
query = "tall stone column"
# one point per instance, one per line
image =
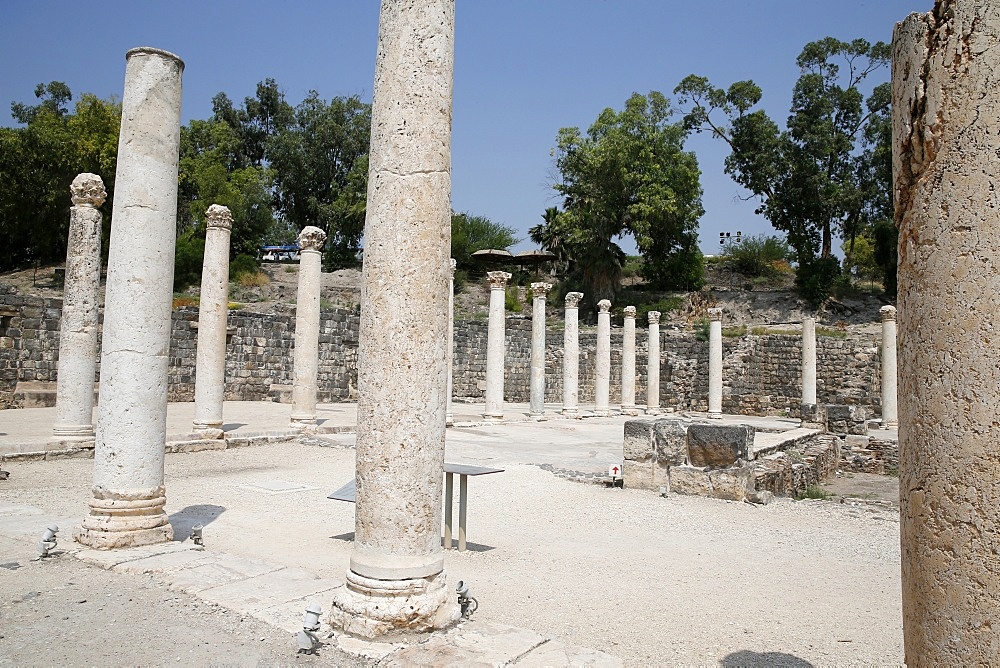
(449, 417)
(213, 308)
(537, 379)
(128, 493)
(808, 366)
(495, 345)
(889, 419)
(396, 580)
(945, 107)
(78, 325)
(715, 363)
(305, 363)
(653, 365)
(571, 354)
(628, 362)
(602, 363)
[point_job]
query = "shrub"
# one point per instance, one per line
(816, 278)
(189, 254)
(758, 255)
(511, 302)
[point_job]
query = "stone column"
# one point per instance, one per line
(715, 363)
(449, 417)
(128, 493)
(945, 107)
(889, 419)
(305, 365)
(396, 580)
(653, 365)
(628, 362)
(537, 397)
(602, 361)
(495, 345)
(78, 325)
(213, 308)
(571, 354)
(808, 367)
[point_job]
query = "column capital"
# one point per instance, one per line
(312, 238)
(603, 306)
(654, 317)
(498, 279)
(630, 312)
(888, 313)
(88, 190)
(573, 299)
(452, 265)
(540, 289)
(715, 314)
(219, 217)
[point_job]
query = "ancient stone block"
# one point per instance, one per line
(718, 445)
(638, 444)
(731, 484)
(669, 442)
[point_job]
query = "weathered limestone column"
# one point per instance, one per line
(653, 365)
(396, 580)
(628, 362)
(602, 363)
(946, 127)
(808, 366)
(537, 379)
(449, 417)
(571, 354)
(889, 419)
(78, 325)
(210, 366)
(305, 363)
(495, 345)
(715, 363)
(128, 493)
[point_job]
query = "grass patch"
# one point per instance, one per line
(734, 332)
(185, 300)
(234, 306)
(814, 492)
(291, 269)
(256, 279)
(326, 304)
(834, 333)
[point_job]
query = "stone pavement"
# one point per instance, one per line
(277, 593)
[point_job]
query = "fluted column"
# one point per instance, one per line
(537, 379)
(808, 366)
(128, 493)
(946, 157)
(396, 580)
(602, 362)
(449, 417)
(213, 308)
(571, 354)
(889, 419)
(628, 362)
(495, 345)
(715, 363)
(78, 324)
(653, 365)
(305, 362)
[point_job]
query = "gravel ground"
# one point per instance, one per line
(656, 581)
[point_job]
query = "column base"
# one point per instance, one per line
(653, 411)
(714, 415)
(892, 424)
(629, 410)
(570, 412)
(602, 412)
(125, 519)
(208, 429)
(73, 432)
(370, 608)
(449, 420)
(493, 417)
(304, 423)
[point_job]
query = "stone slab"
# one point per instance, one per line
(369, 649)
(268, 590)
(731, 484)
(670, 442)
(110, 559)
(227, 568)
(288, 616)
(470, 644)
(170, 562)
(718, 445)
(557, 652)
(638, 440)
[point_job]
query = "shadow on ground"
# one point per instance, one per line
(747, 659)
(186, 518)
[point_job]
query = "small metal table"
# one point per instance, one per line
(349, 493)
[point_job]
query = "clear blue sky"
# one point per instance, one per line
(523, 69)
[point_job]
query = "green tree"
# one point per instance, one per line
(808, 176)
(320, 165)
(471, 233)
(40, 160)
(756, 255)
(628, 174)
(549, 236)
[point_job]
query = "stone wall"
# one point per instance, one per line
(761, 374)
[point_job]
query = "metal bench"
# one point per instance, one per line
(348, 492)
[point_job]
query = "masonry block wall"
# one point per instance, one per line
(761, 374)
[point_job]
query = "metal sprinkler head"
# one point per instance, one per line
(307, 639)
(196, 534)
(467, 603)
